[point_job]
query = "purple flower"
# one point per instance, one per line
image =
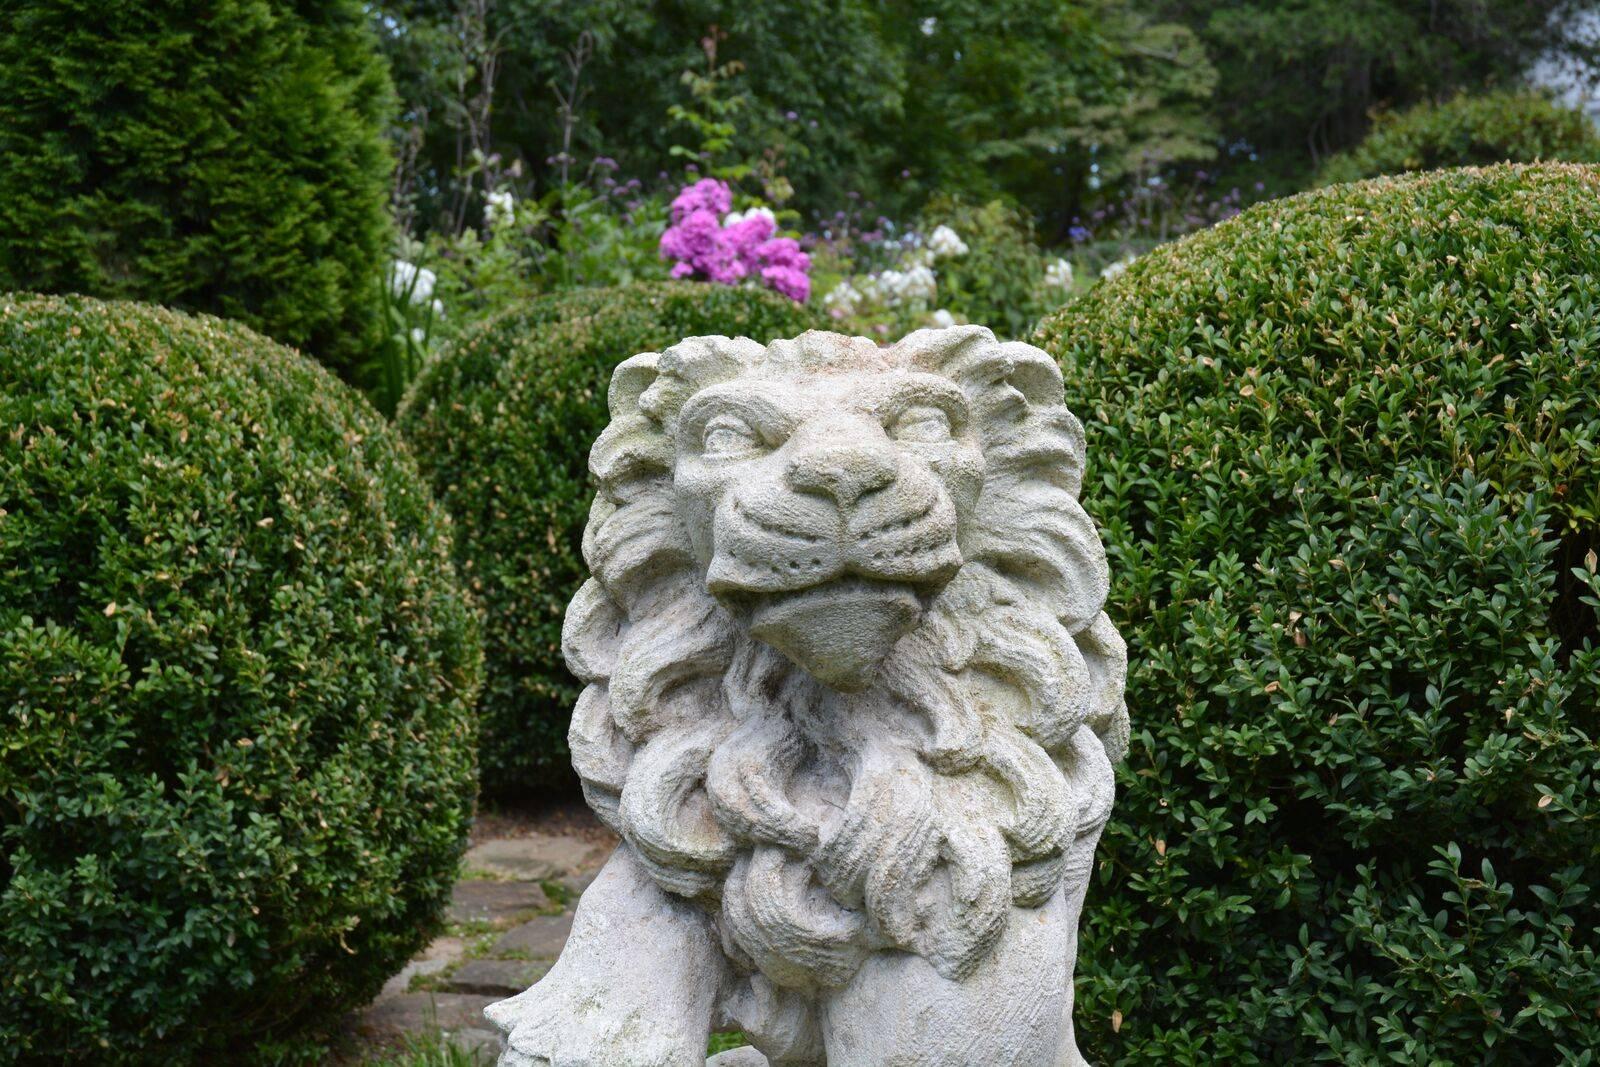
(789, 281)
(791, 115)
(605, 162)
(702, 247)
(707, 195)
(783, 252)
(692, 240)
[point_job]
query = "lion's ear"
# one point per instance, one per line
(1033, 373)
(629, 381)
(690, 366)
(967, 355)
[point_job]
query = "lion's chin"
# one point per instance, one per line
(839, 632)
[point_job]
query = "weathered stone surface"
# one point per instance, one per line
(540, 938)
(536, 857)
(738, 1057)
(502, 978)
(486, 901)
(852, 705)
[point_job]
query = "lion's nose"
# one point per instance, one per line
(844, 472)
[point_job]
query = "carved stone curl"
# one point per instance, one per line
(852, 705)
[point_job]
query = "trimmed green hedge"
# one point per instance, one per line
(1511, 126)
(501, 424)
(225, 156)
(236, 685)
(1345, 455)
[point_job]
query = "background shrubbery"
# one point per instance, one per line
(501, 424)
(1503, 127)
(1343, 455)
(236, 740)
(226, 157)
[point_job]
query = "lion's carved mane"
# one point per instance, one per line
(822, 826)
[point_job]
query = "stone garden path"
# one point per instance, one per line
(508, 920)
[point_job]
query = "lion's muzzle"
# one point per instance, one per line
(830, 557)
(837, 512)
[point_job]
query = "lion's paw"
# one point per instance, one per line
(567, 1026)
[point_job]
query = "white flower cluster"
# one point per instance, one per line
(915, 286)
(844, 297)
(735, 217)
(1113, 269)
(945, 243)
(1058, 275)
(409, 281)
(499, 209)
(943, 319)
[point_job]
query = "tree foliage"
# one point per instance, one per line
(1299, 80)
(841, 98)
(222, 156)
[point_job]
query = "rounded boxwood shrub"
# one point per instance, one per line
(501, 424)
(1345, 462)
(1510, 126)
(236, 681)
(225, 156)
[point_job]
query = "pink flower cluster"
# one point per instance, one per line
(705, 248)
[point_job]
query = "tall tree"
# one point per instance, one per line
(822, 89)
(214, 155)
(1029, 98)
(1300, 78)
(889, 101)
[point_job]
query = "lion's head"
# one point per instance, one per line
(849, 682)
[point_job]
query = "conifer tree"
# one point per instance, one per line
(214, 155)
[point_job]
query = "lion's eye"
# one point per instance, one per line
(926, 425)
(728, 435)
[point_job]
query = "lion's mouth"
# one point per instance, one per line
(839, 632)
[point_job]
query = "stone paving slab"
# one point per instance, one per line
(536, 857)
(495, 978)
(495, 902)
(510, 901)
(540, 938)
(440, 953)
(422, 1012)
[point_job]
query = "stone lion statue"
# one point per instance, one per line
(852, 706)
